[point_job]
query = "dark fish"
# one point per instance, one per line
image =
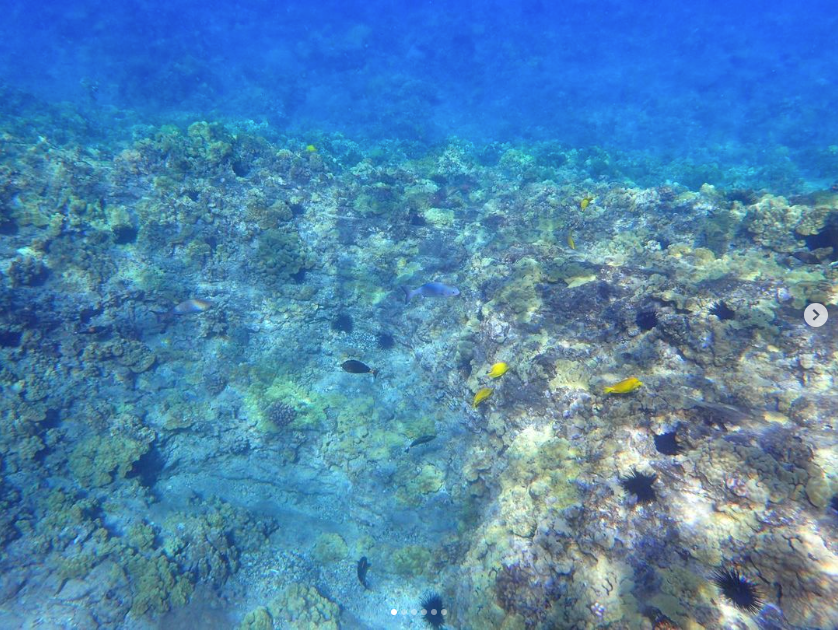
(93, 330)
(420, 440)
(806, 257)
(363, 567)
(720, 412)
(356, 367)
(430, 289)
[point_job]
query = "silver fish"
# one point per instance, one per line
(430, 289)
(195, 305)
(420, 440)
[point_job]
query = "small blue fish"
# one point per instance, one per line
(430, 289)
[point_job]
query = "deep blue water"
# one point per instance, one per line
(733, 83)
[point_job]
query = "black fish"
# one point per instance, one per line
(420, 440)
(807, 257)
(356, 367)
(363, 567)
(721, 413)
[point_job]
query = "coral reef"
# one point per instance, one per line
(152, 461)
(303, 607)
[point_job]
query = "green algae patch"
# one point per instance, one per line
(569, 374)
(411, 561)
(268, 216)
(817, 488)
(414, 483)
(303, 607)
(309, 407)
(682, 584)
(540, 473)
(380, 201)
(330, 548)
(718, 230)
(519, 294)
(142, 536)
(158, 583)
(257, 619)
(99, 460)
(180, 414)
(439, 217)
(280, 256)
(545, 464)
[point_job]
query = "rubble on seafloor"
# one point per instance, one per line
(157, 464)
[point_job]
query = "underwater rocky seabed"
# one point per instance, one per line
(219, 469)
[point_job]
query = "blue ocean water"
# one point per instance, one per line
(476, 315)
(721, 86)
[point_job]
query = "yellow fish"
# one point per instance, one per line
(571, 243)
(498, 370)
(624, 386)
(586, 201)
(481, 395)
(311, 148)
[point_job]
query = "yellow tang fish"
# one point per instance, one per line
(481, 395)
(624, 386)
(498, 370)
(585, 202)
(311, 148)
(571, 243)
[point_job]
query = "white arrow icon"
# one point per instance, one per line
(815, 315)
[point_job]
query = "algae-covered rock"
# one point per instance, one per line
(99, 460)
(329, 548)
(307, 407)
(209, 142)
(257, 619)
(414, 484)
(303, 607)
(280, 255)
(159, 584)
(411, 561)
(718, 230)
(269, 216)
(771, 222)
(519, 294)
(817, 488)
(207, 541)
(142, 536)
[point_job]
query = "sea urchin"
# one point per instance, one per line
(385, 340)
(640, 486)
(741, 591)
(343, 323)
(646, 320)
(432, 611)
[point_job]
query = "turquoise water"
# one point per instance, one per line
(697, 87)
(362, 315)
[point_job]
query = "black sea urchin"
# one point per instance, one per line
(432, 610)
(343, 323)
(741, 592)
(640, 486)
(646, 320)
(722, 311)
(385, 340)
(667, 443)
